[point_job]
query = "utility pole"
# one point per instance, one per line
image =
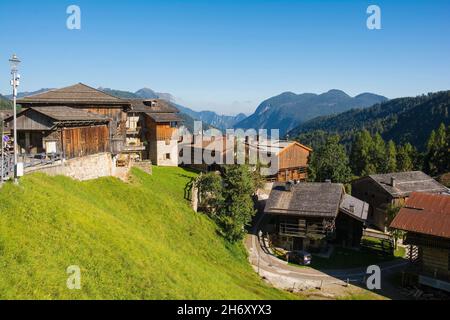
(3, 155)
(14, 61)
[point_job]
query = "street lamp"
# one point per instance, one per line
(14, 61)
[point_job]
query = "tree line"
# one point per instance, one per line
(370, 154)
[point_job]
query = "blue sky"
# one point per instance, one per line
(228, 56)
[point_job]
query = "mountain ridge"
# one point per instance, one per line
(209, 118)
(408, 119)
(287, 110)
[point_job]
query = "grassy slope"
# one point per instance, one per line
(132, 241)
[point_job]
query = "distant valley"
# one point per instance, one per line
(209, 118)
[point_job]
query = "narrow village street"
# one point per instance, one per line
(319, 283)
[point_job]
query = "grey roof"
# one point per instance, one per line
(274, 146)
(64, 114)
(164, 117)
(76, 94)
(5, 114)
(152, 106)
(408, 182)
(354, 207)
(305, 199)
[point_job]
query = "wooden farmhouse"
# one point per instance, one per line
(308, 216)
(426, 220)
(391, 189)
(290, 157)
(61, 130)
(85, 99)
(77, 121)
(152, 131)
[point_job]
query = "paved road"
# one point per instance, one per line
(282, 275)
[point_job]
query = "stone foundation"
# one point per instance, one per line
(84, 168)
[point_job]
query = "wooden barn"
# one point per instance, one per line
(383, 190)
(308, 216)
(426, 220)
(90, 100)
(61, 130)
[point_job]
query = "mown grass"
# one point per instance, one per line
(132, 241)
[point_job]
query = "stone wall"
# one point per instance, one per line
(84, 168)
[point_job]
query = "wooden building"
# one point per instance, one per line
(426, 220)
(60, 130)
(87, 99)
(152, 131)
(308, 216)
(207, 153)
(291, 157)
(384, 190)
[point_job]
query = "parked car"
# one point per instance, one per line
(299, 256)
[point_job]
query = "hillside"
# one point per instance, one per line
(132, 241)
(402, 120)
(5, 103)
(287, 110)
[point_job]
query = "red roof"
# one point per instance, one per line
(426, 214)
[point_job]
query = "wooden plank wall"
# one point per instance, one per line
(83, 141)
(159, 131)
(293, 156)
(118, 116)
(434, 259)
(32, 120)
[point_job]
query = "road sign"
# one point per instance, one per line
(5, 138)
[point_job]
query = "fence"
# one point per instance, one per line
(39, 159)
(6, 166)
(30, 160)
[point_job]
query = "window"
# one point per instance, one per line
(167, 142)
(167, 156)
(173, 124)
(50, 146)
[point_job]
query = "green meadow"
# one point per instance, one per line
(136, 240)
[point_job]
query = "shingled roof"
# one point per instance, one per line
(152, 106)
(76, 94)
(65, 114)
(407, 182)
(354, 207)
(164, 117)
(275, 146)
(306, 199)
(5, 114)
(425, 214)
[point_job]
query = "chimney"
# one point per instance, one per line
(288, 186)
(352, 208)
(393, 182)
